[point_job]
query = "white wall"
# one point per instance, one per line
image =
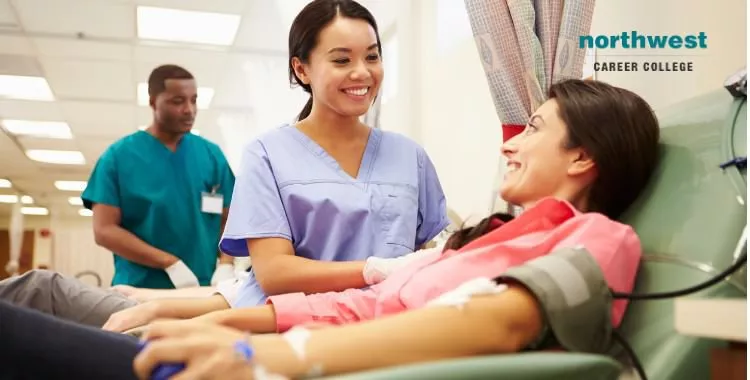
(724, 22)
(443, 102)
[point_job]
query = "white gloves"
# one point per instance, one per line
(12, 267)
(378, 269)
(181, 276)
(222, 272)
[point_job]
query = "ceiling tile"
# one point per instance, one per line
(47, 144)
(8, 19)
(89, 80)
(16, 45)
(101, 19)
(205, 65)
(218, 6)
(81, 49)
(14, 162)
(93, 147)
(30, 110)
(99, 118)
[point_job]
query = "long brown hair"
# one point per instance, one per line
(620, 132)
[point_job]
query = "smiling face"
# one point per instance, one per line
(344, 69)
(539, 165)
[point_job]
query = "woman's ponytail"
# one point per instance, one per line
(306, 109)
(466, 235)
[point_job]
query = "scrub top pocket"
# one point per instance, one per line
(398, 213)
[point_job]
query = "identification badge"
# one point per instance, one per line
(212, 203)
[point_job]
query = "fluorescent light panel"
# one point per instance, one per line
(75, 201)
(45, 129)
(59, 157)
(25, 88)
(8, 198)
(70, 185)
(5, 184)
(85, 212)
(187, 26)
(34, 211)
(205, 95)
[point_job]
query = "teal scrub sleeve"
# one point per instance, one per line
(102, 186)
(433, 211)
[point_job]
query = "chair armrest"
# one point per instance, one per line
(525, 366)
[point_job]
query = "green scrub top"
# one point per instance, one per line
(159, 193)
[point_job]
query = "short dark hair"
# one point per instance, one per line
(303, 35)
(159, 76)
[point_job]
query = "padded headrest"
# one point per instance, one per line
(692, 209)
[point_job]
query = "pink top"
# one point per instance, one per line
(548, 226)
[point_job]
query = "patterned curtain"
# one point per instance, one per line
(525, 46)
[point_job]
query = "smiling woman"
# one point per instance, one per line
(318, 198)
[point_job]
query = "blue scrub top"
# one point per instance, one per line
(289, 187)
(159, 193)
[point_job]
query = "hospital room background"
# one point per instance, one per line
(92, 57)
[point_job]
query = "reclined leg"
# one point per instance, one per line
(39, 346)
(64, 297)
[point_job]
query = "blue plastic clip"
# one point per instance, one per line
(739, 162)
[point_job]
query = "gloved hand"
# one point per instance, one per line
(12, 267)
(181, 276)
(222, 272)
(378, 269)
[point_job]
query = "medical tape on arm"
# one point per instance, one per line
(297, 338)
(574, 296)
(461, 295)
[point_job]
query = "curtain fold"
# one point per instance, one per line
(525, 46)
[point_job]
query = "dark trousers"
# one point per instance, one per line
(34, 345)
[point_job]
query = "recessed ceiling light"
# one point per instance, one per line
(85, 212)
(27, 200)
(205, 95)
(8, 198)
(34, 211)
(25, 88)
(75, 201)
(5, 184)
(70, 185)
(61, 157)
(45, 129)
(187, 26)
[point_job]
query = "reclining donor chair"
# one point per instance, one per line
(690, 220)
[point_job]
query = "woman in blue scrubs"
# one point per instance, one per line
(326, 203)
(314, 199)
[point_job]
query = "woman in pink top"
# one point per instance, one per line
(583, 158)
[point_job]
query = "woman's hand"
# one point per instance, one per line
(127, 319)
(206, 350)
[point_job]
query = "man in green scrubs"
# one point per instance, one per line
(160, 196)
